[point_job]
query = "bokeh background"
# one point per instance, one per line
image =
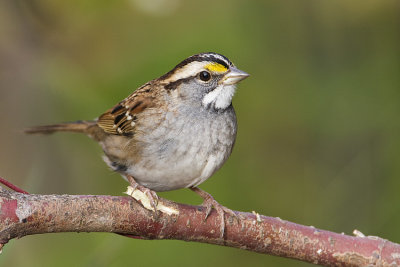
(318, 140)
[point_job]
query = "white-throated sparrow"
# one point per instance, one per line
(173, 132)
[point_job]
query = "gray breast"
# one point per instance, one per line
(181, 148)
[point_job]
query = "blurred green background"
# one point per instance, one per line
(318, 140)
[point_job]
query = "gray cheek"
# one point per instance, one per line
(194, 90)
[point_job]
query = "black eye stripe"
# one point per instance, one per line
(175, 84)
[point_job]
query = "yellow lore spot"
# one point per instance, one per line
(216, 67)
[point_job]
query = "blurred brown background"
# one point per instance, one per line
(318, 140)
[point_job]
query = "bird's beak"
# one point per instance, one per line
(234, 76)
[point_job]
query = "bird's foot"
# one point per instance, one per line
(152, 197)
(209, 202)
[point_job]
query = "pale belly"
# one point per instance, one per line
(190, 170)
(169, 159)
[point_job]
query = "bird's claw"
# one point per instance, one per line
(209, 202)
(151, 195)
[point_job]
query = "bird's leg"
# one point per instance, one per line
(153, 198)
(209, 202)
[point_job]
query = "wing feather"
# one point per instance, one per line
(121, 118)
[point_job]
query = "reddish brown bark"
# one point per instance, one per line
(25, 214)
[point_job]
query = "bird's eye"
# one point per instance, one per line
(205, 76)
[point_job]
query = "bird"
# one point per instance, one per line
(173, 132)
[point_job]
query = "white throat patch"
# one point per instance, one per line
(220, 97)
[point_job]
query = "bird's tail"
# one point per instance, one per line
(77, 127)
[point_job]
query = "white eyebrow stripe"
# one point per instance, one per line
(188, 70)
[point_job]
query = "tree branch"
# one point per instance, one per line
(28, 214)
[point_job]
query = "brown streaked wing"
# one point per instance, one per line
(121, 118)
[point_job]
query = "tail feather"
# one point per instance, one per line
(77, 127)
